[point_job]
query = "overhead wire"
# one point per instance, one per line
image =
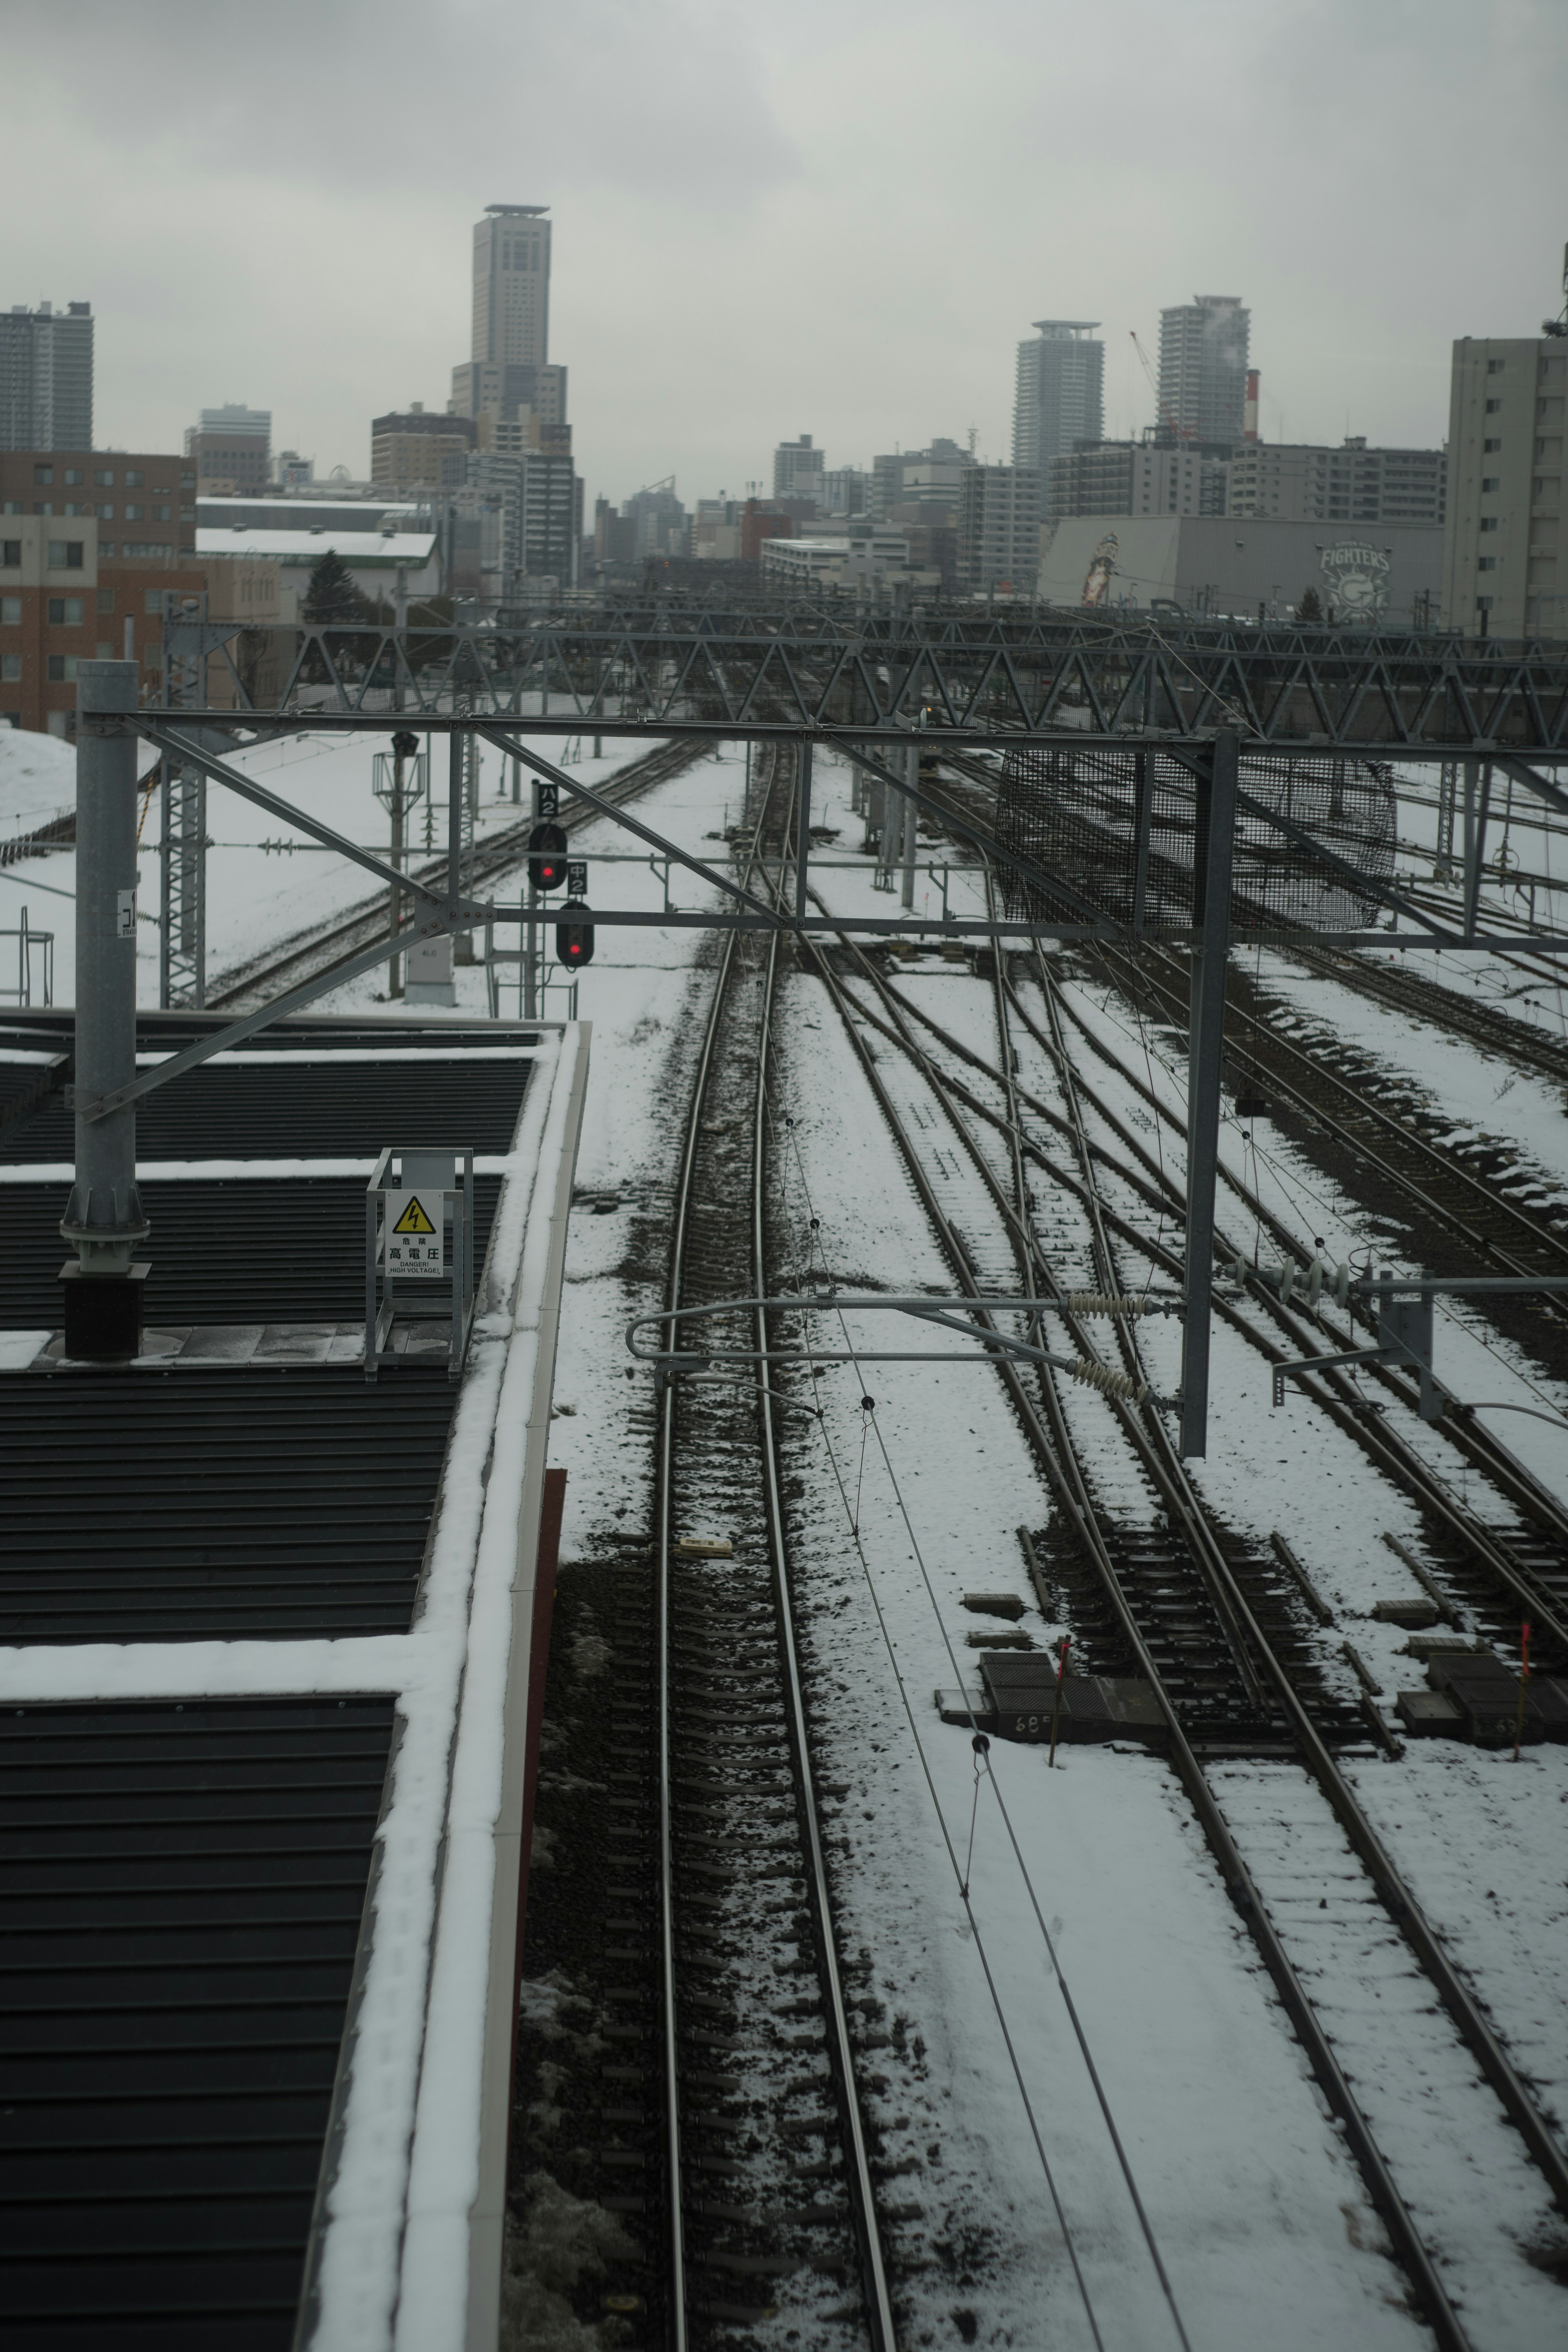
(871, 1419)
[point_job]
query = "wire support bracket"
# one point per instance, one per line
(671, 1361)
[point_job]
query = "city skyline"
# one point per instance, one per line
(1351, 334)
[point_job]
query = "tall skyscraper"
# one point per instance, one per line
(516, 401)
(512, 285)
(1203, 368)
(510, 344)
(45, 377)
(1060, 397)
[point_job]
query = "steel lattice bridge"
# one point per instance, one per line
(975, 675)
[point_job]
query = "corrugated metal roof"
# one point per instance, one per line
(181, 1892)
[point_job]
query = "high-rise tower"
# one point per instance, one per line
(512, 285)
(45, 377)
(1203, 368)
(1060, 397)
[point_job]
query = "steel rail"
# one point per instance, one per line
(1384, 1445)
(367, 919)
(675, 2184)
(1395, 1894)
(1059, 1462)
(1331, 1391)
(1495, 1201)
(878, 2300)
(882, 2326)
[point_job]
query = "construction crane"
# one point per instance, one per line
(1177, 432)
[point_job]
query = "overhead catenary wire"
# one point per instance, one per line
(870, 1420)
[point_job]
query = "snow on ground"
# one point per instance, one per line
(258, 895)
(1261, 2217)
(1142, 1973)
(37, 779)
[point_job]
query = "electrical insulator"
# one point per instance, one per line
(573, 942)
(1109, 1381)
(547, 857)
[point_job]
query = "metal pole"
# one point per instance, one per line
(531, 938)
(802, 823)
(1141, 810)
(394, 896)
(103, 1219)
(911, 820)
(1447, 791)
(166, 773)
(1215, 810)
(1476, 808)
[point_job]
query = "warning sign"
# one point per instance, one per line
(416, 1236)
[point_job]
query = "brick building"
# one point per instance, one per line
(62, 602)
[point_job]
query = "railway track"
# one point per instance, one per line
(315, 953)
(1205, 1630)
(1423, 999)
(741, 2115)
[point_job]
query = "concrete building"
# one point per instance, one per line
(318, 511)
(1505, 564)
(375, 558)
(61, 604)
(846, 491)
(861, 555)
(760, 523)
(45, 377)
(418, 448)
(1300, 481)
(1147, 476)
(145, 506)
(798, 470)
(231, 448)
(487, 388)
(998, 517)
(1203, 368)
(923, 477)
(1224, 567)
(1060, 397)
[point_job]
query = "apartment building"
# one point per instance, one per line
(998, 519)
(62, 601)
(1302, 481)
(1060, 396)
(1503, 557)
(1203, 368)
(45, 377)
(1150, 477)
(416, 449)
(230, 448)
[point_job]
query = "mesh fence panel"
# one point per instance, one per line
(1074, 815)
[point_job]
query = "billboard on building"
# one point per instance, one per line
(1221, 566)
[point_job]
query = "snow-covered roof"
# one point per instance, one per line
(361, 549)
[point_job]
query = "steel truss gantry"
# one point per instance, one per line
(881, 748)
(983, 675)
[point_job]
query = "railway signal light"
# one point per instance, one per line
(547, 857)
(573, 942)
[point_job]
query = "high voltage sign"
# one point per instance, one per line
(416, 1241)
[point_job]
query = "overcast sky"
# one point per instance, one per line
(833, 216)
